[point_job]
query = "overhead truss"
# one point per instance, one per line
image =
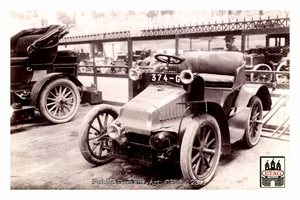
(181, 30)
(218, 27)
(97, 36)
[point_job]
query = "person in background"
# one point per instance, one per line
(230, 43)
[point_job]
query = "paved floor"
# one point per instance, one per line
(47, 157)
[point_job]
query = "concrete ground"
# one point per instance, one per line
(47, 156)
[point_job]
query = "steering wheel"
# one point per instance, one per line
(165, 58)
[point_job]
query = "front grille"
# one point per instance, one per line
(138, 138)
(137, 148)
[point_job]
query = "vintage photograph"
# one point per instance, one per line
(150, 99)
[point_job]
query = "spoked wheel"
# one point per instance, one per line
(282, 78)
(200, 150)
(94, 143)
(260, 76)
(254, 127)
(59, 101)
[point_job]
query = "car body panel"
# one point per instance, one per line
(211, 85)
(154, 108)
(38, 86)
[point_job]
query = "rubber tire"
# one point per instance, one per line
(247, 136)
(43, 100)
(282, 67)
(186, 150)
(256, 67)
(84, 132)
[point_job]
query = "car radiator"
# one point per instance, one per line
(136, 149)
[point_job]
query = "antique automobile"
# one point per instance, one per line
(100, 62)
(271, 57)
(42, 78)
(191, 110)
(146, 60)
(120, 63)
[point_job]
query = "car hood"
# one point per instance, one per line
(153, 109)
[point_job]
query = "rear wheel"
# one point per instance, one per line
(260, 76)
(283, 78)
(254, 126)
(200, 150)
(94, 143)
(59, 101)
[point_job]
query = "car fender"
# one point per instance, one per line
(249, 90)
(239, 118)
(40, 84)
(215, 110)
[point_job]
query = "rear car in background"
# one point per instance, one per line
(274, 56)
(120, 63)
(42, 78)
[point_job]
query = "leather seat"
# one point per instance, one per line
(217, 80)
(211, 62)
(23, 43)
(218, 69)
(19, 54)
(19, 61)
(35, 46)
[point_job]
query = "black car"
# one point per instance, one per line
(42, 78)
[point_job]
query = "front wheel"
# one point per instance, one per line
(59, 101)
(94, 143)
(254, 124)
(200, 150)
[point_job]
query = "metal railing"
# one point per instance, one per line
(271, 79)
(275, 125)
(281, 130)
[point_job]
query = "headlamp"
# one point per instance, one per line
(113, 131)
(134, 74)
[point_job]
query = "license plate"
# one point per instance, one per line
(173, 78)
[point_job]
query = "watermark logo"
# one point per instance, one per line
(272, 171)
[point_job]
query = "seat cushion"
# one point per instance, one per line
(210, 62)
(216, 80)
(19, 60)
(23, 43)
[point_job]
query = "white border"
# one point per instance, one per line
(141, 5)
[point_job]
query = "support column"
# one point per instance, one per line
(243, 41)
(94, 66)
(130, 58)
(176, 45)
